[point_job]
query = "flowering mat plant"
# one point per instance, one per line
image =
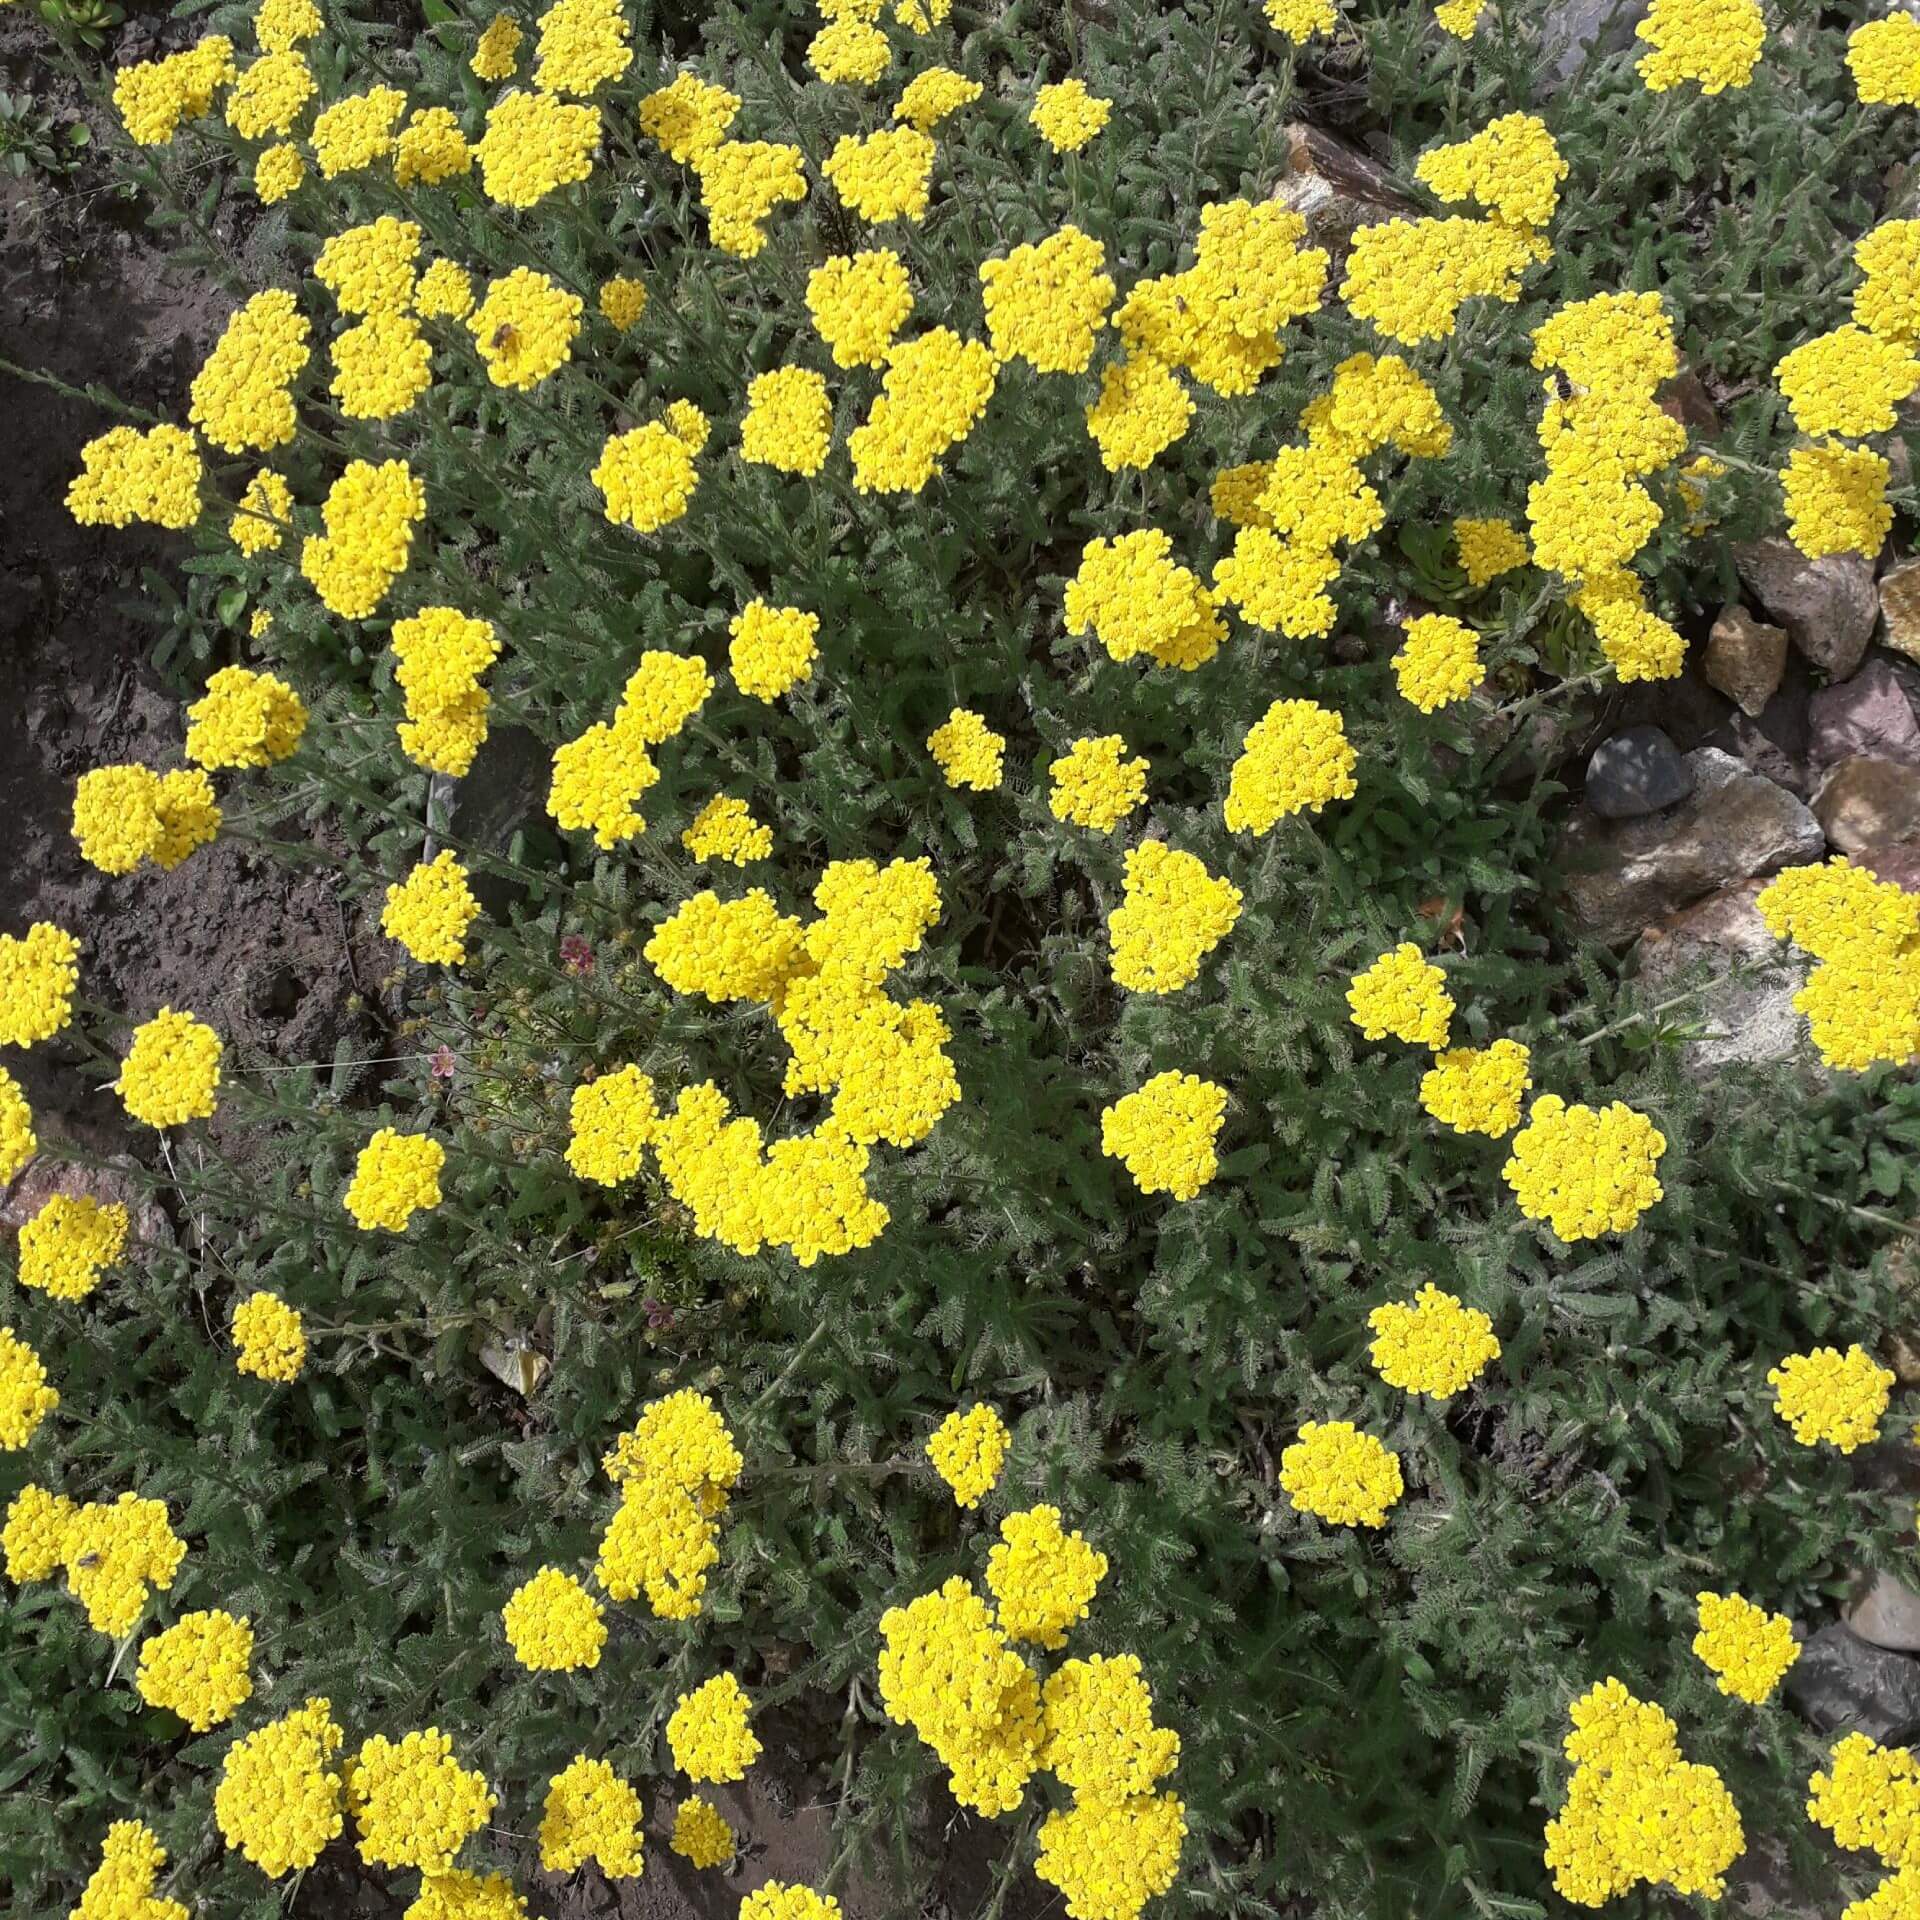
(1006, 1187)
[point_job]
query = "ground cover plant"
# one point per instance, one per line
(1055, 1220)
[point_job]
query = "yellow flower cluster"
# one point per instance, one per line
(370, 513)
(968, 1450)
(39, 973)
(244, 719)
(1884, 58)
(930, 96)
(1404, 996)
(947, 1672)
(741, 182)
(1172, 914)
(260, 518)
(772, 649)
(445, 292)
(431, 148)
(172, 1071)
(152, 97)
(115, 1552)
(1714, 42)
(1585, 1171)
(675, 1469)
(1592, 514)
(1849, 381)
(1138, 599)
(1862, 999)
(1301, 20)
(708, 1734)
(1479, 1089)
(610, 1121)
(356, 131)
(372, 268)
(25, 1397)
(441, 654)
(466, 1896)
(1410, 278)
(931, 397)
(413, 1803)
(126, 475)
(1165, 1133)
(198, 1668)
(534, 145)
(1887, 301)
(69, 1243)
(1046, 303)
(701, 1834)
(725, 829)
(1830, 1396)
(968, 751)
(590, 1813)
(1836, 499)
(121, 1886)
(1110, 1857)
(430, 910)
(124, 815)
(1095, 785)
(1440, 662)
(789, 421)
(1436, 1346)
(1042, 1578)
(849, 50)
(858, 303)
(882, 176)
(554, 1625)
(1747, 1649)
(525, 328)
(1340, 1474)
(1295, 759)
(1635, 1810)
(270, 1338)
(688, 116)
(396, 1176)
(1511, 168)
(622, 300)
(647, 475)
(1141, 410)
(269, 95)
(1459, 17)
(1489, 548)
(278, 1800)
(1315, 497)
(497, 51)
(381, 367)
(1869, 1799)
(277, 173)
(1066, 116)
(18, 1141)
(779, 1900)
(583, 44)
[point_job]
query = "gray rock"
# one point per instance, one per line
(503, 793)
(1869, 714)
(1624, 875)
(1748, 1014)
(1828, 607)
(1576, 32)
(1844, 1684)
(1865, 803)
(1887, 1615)
(1335, 187)
(1900, 607)
(1745, 659)
(1637, 771)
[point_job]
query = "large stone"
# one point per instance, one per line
(1828, 607)
(1900, 607)
(1887, 1615)
(1335, 187)
(1634, 772)
(1869, 714)
(1748, 1013)
(1745, 659)
(1574, 33)
(1865, 803)
(502, 795)
(1624, 875)
(1844, 1684)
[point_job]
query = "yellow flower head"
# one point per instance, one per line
(121, 1886)
(968, 751)
(1042, 1577)
(930, 96)
(533, 146)
(396, 1176)
(1138, 599)
(370, 514)
(69, 1243)
(1435, 1346)
(172, 1071)
(1403, 996)
(611, 1120)
(687, 117)
(430, 910)
(1511, 168)
(1478, 1090)
(39, 973)
(269, 1338)
(554, 1625)
(1066, 116)
(968, 1450)
(25, 1397)
(1832, 1396)
(431, 148)
(741, 182)
(524, 328)
(278, 1800)
(591, 1814)
(583, 45)
(647, 476)
(708, 1732)
(198, 1668)
(935, 390)
(1112, 1856)
(623, 300)
(126, 475)
(1489, 548)
(773, 649)
(701, 1834)
(497, 52)
(789, 421)
(1165, 1133)
(1747, 1649)
(1095, 785)
(1140, 412)
(1440, 662)
(725, 829)
(1173, 913)
(1584, 1170)
(18, 1141)
(244, 719)
(859, 302)
(1046, 303)
(1341, 1475)
(1296, 758)
(413, 1803)
(357, 131)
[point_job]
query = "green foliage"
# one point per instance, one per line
(1368, 1723)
